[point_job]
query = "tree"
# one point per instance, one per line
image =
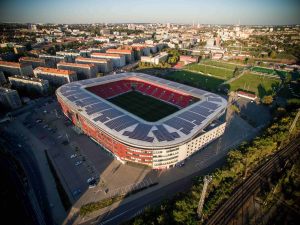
(268, 99)
(273, 54)
(288, 78)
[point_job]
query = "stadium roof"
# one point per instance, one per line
(177, 128)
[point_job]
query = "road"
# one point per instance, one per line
(237, 199)
(37, 190)
(126, 211)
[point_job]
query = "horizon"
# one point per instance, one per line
(218, 12)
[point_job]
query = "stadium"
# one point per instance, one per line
(144, 119)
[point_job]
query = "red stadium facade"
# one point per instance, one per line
(160, 144)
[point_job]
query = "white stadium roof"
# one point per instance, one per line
(172, 130)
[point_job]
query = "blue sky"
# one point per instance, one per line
(174, 11)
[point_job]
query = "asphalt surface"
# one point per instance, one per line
(129, 210)
(29, 164)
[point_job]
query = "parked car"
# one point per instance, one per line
(90, 179)
(73, 156)
(78, 163)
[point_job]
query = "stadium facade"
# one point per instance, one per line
(160, 144)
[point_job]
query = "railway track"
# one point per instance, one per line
(228, 209)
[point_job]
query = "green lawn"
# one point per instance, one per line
(260, 85)
(280, 73)
(225, 65)
(143, 106)
(207, 69)
(195, 79)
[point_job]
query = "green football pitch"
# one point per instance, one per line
(143, 106)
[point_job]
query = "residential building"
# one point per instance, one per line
(118, 60)
(56, 77)
(14, 68)
(10, 98)
(52, 60)
(84, 71)
(29, 84)
(129, 56)
(69, 56)
(102, 65)
(34, 62)
(162, 57)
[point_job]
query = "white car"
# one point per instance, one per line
(78, 163)
(90, 179)
(73, 156)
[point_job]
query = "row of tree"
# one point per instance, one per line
(182, 209)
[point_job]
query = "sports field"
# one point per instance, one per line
(260, 85)
(221, 64)
(195, 79)
(143, 106)
(223, 73)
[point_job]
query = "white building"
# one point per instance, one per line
(162, 57)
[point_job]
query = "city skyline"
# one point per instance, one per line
(269, 12)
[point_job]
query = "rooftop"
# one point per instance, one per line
(31, 59)
(35, 79)
(54, 71)
(91, 60)
(11, 64)
(76, 64)
(106, 54)
(171, 130)
(121, 51)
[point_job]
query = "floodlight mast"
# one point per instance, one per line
(206, 180)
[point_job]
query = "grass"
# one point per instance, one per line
(195, 79)
(280, 73)
(144, 106)
(225, 65)
(208, 69)
(260, 85)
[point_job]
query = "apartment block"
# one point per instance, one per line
(84, 71)
(29, 84)
(102, 65)
(56, 77)
(10, 98)
(118, 60)
(34, 62)
(15, 68)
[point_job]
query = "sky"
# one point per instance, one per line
(247, 12)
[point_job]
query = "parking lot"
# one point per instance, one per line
(77, 158)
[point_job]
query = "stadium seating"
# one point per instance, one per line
(119, 87)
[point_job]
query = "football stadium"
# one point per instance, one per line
(144, 119)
